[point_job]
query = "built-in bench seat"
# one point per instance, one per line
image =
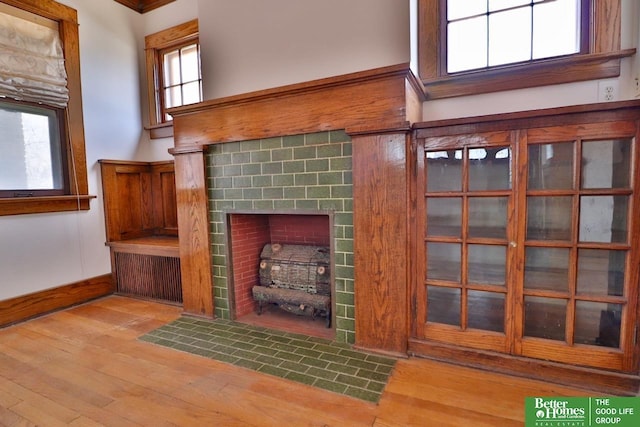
(141, 225)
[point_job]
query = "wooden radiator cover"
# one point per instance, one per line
(148, 276)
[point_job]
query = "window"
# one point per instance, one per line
(491, 45)
(32, 156)
(496, 32)
(173, 74)
(42, 158)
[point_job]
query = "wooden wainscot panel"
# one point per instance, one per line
(139, 199)
(381, 251)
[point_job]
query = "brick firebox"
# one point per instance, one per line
(250, 232)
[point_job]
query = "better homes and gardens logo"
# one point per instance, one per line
(582, 411)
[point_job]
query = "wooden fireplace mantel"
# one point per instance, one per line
(385, 99)
(377, 108)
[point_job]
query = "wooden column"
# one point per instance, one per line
(193, 231)
(381, 241)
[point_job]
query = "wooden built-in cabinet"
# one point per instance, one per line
(528, 243)
(141, 227)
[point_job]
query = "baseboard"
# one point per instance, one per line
(25, 307)
(596, 380)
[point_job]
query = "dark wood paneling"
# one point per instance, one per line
(25, 307)
(139, 199)
(381, 252)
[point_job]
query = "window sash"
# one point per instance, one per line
(32, 164)
(600, 60)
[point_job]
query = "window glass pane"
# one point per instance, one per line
(444, 216)
(510, 36)
(546, 268)
(549, 218)
(487, 264)
(603, 219)
(556, 28)
(487, 171)
(191, 93)
(485, 311)
(606, 164)
(495, 5)
(30, 149)
(443, 305)
(173, 97)
(545, 317)
(467, 44)
(443, 261)
(598, 323)
(171, 68)
(488, 217)
(444, 170)
(551, 166)
(457, 9)
(190, 63)
(601, 272)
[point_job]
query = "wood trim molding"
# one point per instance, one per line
(30, 205)
(597, 380)
(143, 6)
(25, 307)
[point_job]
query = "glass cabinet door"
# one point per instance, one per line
(468, 200)
(576, 246)
(526, 243)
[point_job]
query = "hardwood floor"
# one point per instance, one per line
(85, 367)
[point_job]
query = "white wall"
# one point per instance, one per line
(249, 45)
(43, 251)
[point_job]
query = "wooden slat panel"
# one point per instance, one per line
(155, 277)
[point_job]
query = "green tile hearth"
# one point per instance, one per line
(317, 362)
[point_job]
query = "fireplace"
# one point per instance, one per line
(248, 233)
(294, 189)
(340, 144)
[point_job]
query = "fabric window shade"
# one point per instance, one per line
(32, 62)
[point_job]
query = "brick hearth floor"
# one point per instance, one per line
(309, 360)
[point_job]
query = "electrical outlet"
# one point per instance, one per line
(636, 84)
(607, 90)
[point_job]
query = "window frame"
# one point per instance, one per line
(77, 196)
(155, 45)
(601, 60)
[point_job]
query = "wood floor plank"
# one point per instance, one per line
(85, 366)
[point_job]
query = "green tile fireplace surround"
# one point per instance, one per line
(309, 172)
